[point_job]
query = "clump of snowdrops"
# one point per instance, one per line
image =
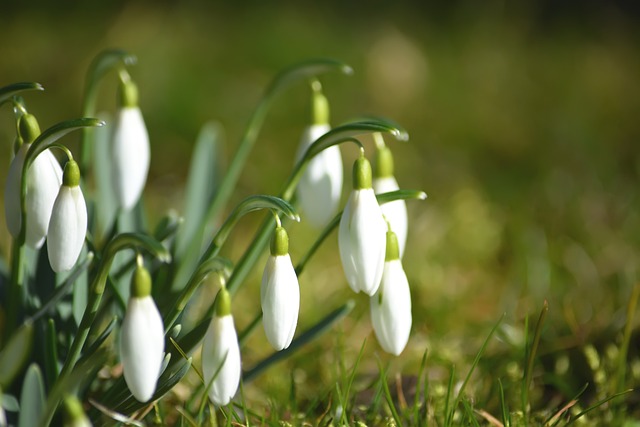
(89, 285)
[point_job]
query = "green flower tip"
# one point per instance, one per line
(223, 303)
(361, 173)
(73, 410)
(140, 282)
(280, 242)
(319, 105)
(393, 251)
(383, 163)
(28, 128)
(71, 174)
(128, 94)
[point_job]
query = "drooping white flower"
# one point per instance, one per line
(74, 414)
(130, 149)
(141, 338)
(43, 181)
(361, 237)
(320, 186)
(68, 223)
(221, 366)
(395, 212)
(391, 304)
(280, 293)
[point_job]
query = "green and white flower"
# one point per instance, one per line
(44, 178)
(395, 212)
(130, 149)
(141, 338)
(68, 223)
(221, 366)
(391, 305)
(280, 293)
(361, 237)
(320, 186)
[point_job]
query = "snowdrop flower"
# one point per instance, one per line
(320, 186)
(74, 414)
(141, 338)
(280, 293)
(361, 237)
(383, 182)
(221, 353)
(130, 149)
(44, 178)
(391, 305)
(68, 224)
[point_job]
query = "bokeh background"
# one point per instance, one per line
(524, 126)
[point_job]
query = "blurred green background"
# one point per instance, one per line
(524, 125)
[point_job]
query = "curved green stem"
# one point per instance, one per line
(250, 204)
(100, 66)
(6, 92)
(209, 266)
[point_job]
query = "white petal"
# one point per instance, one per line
(362, 241)
(320, 186)
(220, 350)
(12, 191)
(280, 299)
(43, 181)
(142, 347)
(67, 228)
(395, 212)
(391, 309)
(131, 156)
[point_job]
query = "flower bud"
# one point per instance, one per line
(130, 149)
(221, 366)
(74, 414)
(141, 338)
(68, 223)
(361, 237)
(390, 307)
(279, 294)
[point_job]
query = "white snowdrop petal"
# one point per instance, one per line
(131, 156)
(320, 186)
(221, 353)
(390, 309)
(395, 212)
(67, 228)
(362, 241)
(43, 181)
(280, 300)
(142, 347)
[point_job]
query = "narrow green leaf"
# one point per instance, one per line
(528, 374)
(32, 401)
(387, 393)
(597, 405)
(51, 352)
(6, 92)
(15, 354)
(106, 207)
(304, 338)
(201, 185)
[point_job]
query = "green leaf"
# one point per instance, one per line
(106, 206)
(201, 186)
(15, 354)
(32, 400)
(6, 92)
